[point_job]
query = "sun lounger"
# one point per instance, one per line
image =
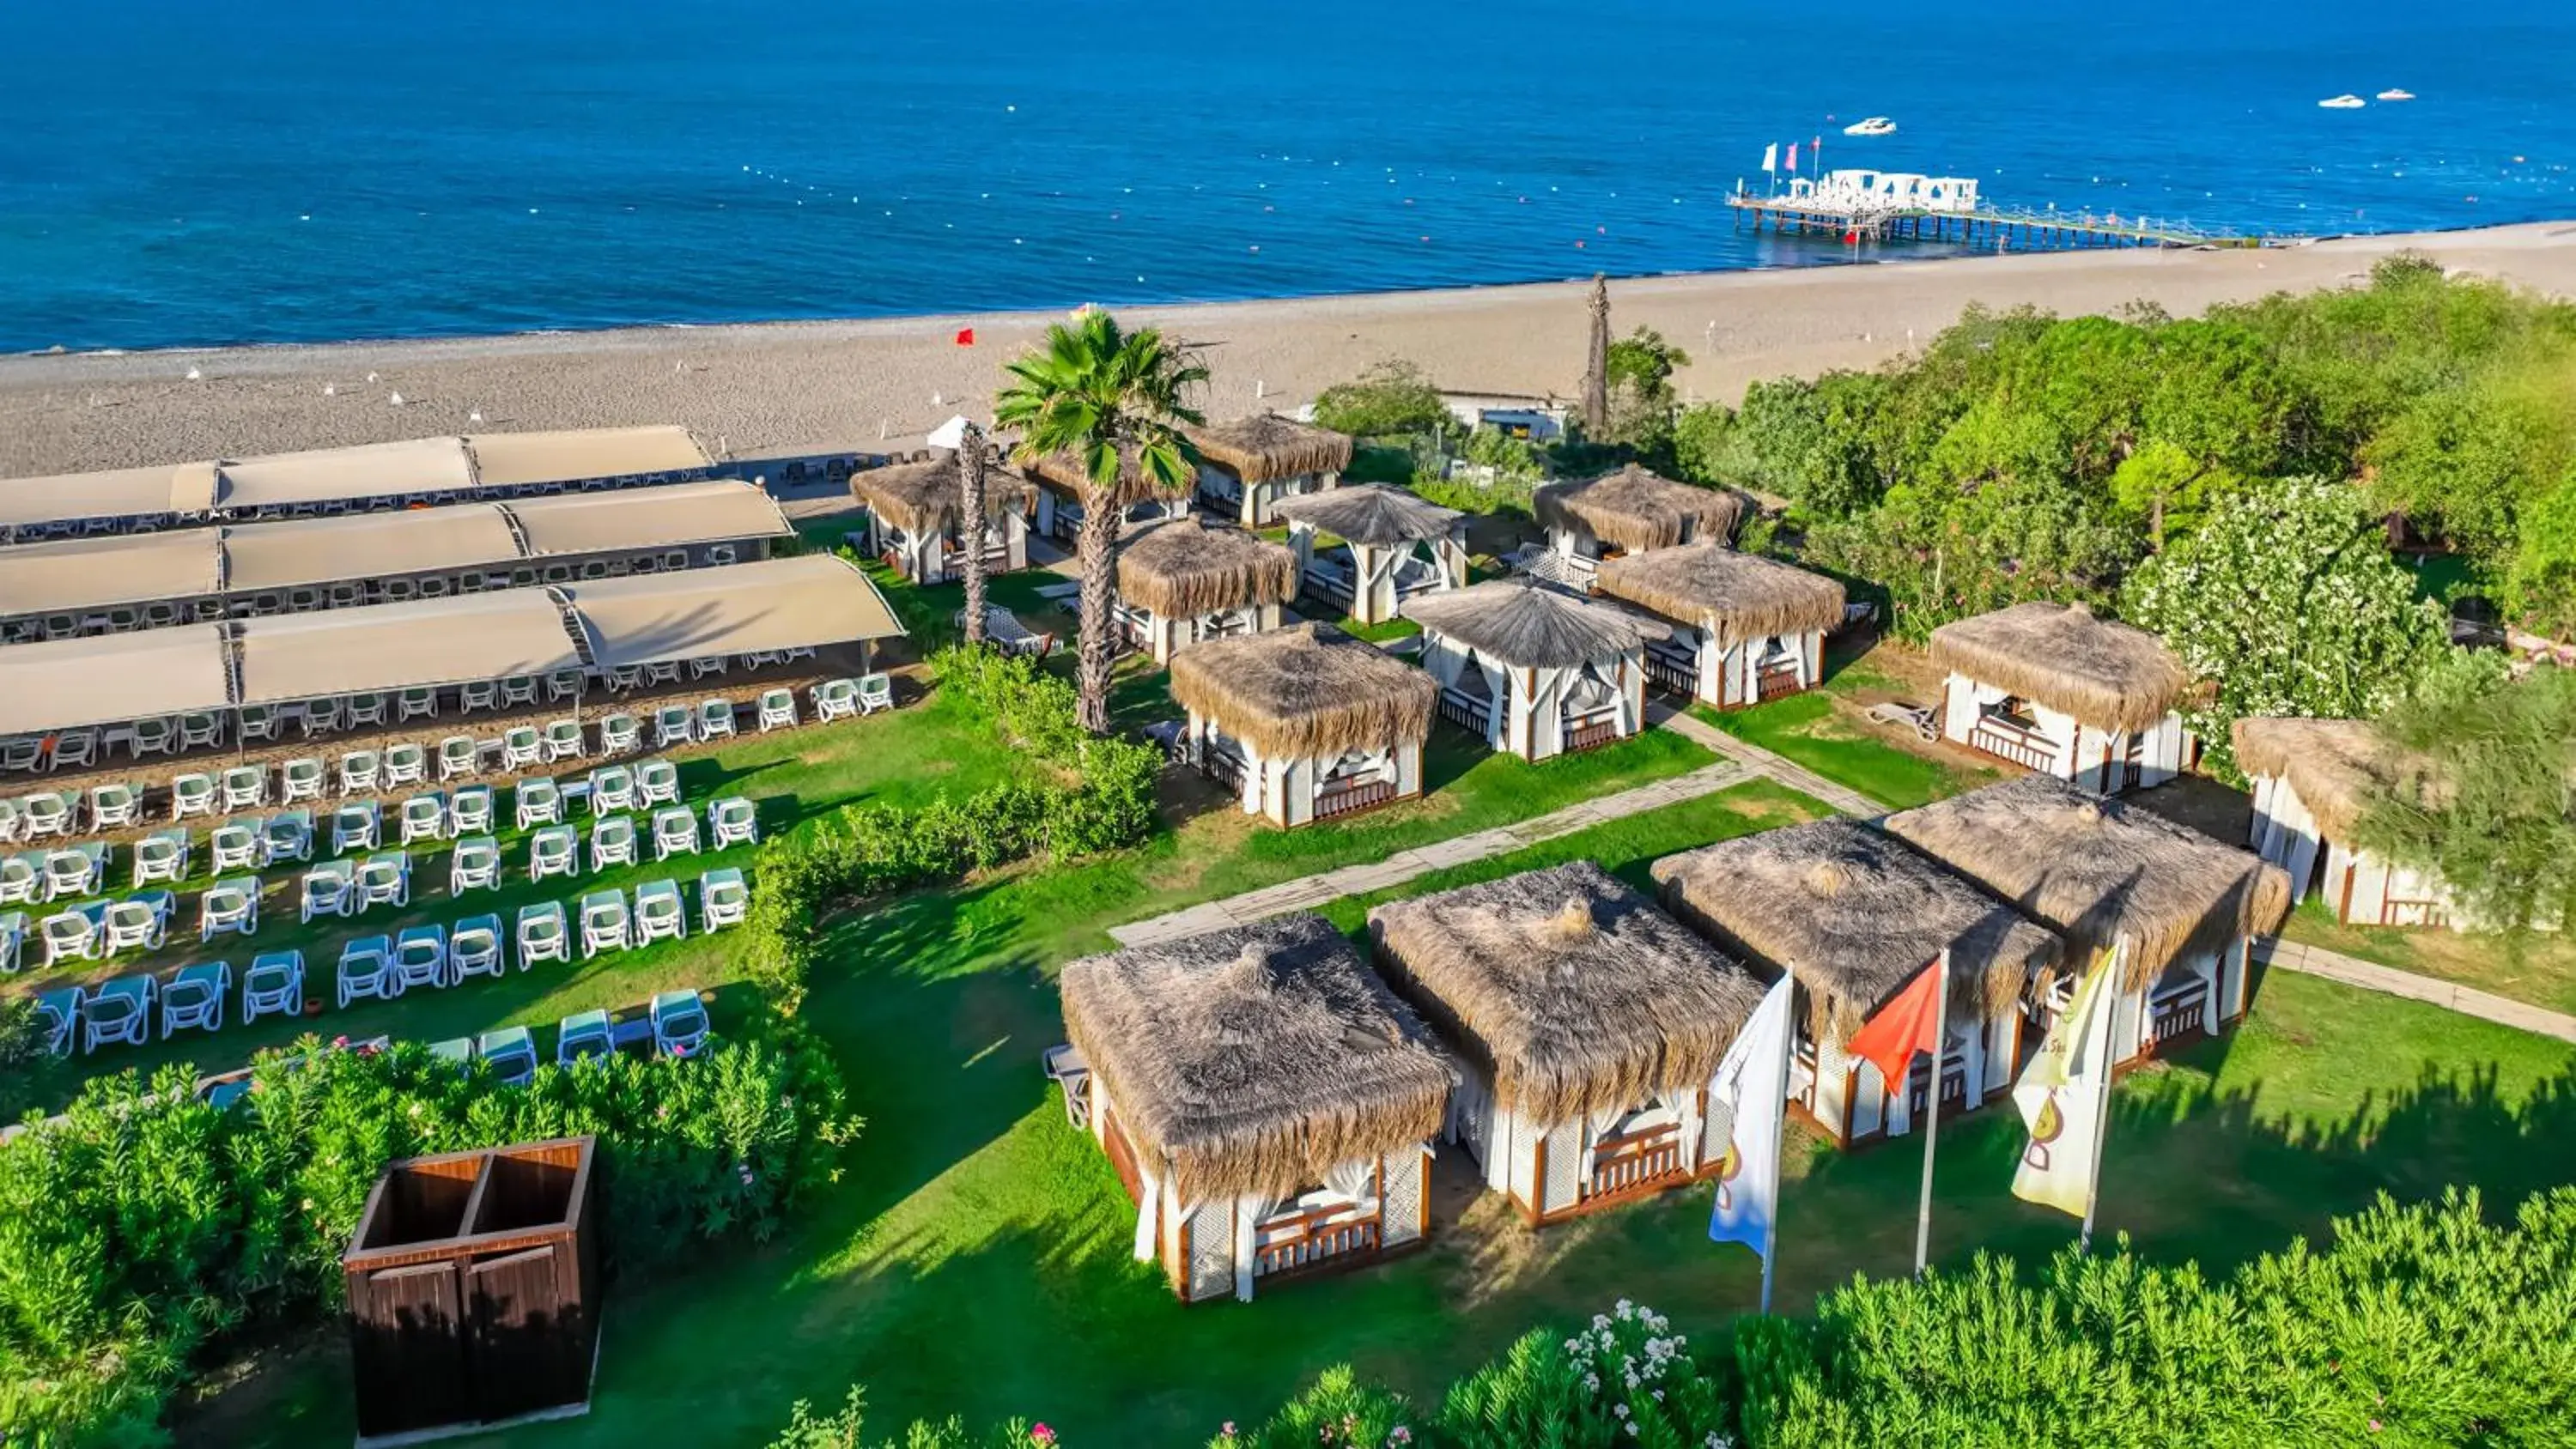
(876, 692)
(357, 825)
(469, 810)
(228, 905)
(475, 864)
(73, 935)
(732, 820)
(300, 780)
(539, 802)
(612, 788)
(22, 878)
(424, 817)
(193, 795)
(836, 699)
(61, 1010)
(330, 889)
(193, 999)
(606, 924)
(679, 1023)
(777, 710)
(287, 836)
(160, 856)
(405, 764)
(115, 807)
(362, 772)
(563, 741)
(367, 969)
(675, 831)
(474, 948)
(119, 1012)
(458, 757)
(235, 847)
(612, 841)
(582, 1036)
(715, 719)
(420, 957)
(273, 986)
(13, 940)
(658, 913)
(723, 900)
(543, 934)
(522, 748)
(553, 851)
(134, 924)
(511, 1053)
(673, 724)
(657, 782)
(1066, 1068)
(383, 880)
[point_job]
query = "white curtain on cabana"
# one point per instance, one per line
(1356, 1179)
(1148, 1200)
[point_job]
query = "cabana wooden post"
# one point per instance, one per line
(1533, 671)
(2052, 688)
(1745, 628)
(2175, 911)
(1393, 547)
(2312, 780)
(914, 521)
(1590, 1022)
(1247, 465)
(1267, 1102)
(1854, 916)
(1630, 511)
(1306, 723)
(1184, 581)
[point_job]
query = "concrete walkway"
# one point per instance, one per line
(2389, 981)
(1761, 761)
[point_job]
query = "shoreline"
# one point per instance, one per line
(753, 389)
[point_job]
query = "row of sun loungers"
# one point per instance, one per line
(384, 967)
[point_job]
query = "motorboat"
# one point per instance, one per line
(1873, 126)
(2393, 94)
(2345, 102)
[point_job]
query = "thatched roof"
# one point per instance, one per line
(1371, 514)
(1303, 692)
(1063, 473)
(1254, 1059)
(1266, 446)
(2336, 765)
(1184, 568)
(1736, 596)
(2106, 674)
(1854, 913)
(922, 498)
(1517, 623)
(1576, 992)
(1638, 510)
(2095, 871)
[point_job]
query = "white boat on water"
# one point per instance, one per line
(1874, 126)
(2393, 94)
(2346, 102)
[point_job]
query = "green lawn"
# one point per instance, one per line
(1809, 730)
(2539, 969)
(976, 1260)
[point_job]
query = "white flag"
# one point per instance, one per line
(2060, 1097)
(1752, 1083)
(1771, 157)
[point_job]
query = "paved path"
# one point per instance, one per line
(2389, 981)
(1307, 892)
(1761, 761)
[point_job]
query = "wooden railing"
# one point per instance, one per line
(1954, 1085)
(1673, 669)
(1312, 1239)
(1223, 766)
(1345, 797)
(1639, 1160)
(2027, 748)
(1775, 679)
(2177, 1010)
(1469, 712)
(1332, 588)
(1588, 734)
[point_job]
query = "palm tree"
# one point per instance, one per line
(1113, 402)
(1596, 369)
(970, 525)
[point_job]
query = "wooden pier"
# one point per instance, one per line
(1985, 227)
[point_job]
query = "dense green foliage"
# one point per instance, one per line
(1391, 399)
(2285, 599)
(1640, 371)
(144, 1223)
(1084, 793)
(2493, 811)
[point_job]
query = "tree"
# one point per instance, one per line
(2454, 461)
(2286, 598)
(1812, 442)
(970, 525)
(2492, 810)
(1596, 362)
(1114, 401)
(2543, 582)
(1944, 554)
(1390, 399)
(1640, 367)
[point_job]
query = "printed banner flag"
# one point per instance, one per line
(1903, 1027)
(1753, 1081)
(2060, 1097)
(1793, 158)
(1771, 157)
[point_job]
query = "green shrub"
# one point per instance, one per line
(1390, 399)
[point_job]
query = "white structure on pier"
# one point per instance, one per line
(1870, 191)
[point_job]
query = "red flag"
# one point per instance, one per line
(965, 336)
(1889, 1040)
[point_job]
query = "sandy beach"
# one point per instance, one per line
(777, 389)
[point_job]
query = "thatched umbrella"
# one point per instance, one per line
(1734, 596)
(2100, 871)
(1266, 446)
(1185, 569)
(2104, 674)
(1573, 991)
(1596, 362)
(1638, 510)
(922, 498)
(1374, 515)
(1257, 1059)
(2336, 765)
(1855, 914)
(1305, 692)
(1521, 624)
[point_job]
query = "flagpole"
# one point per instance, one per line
(1932, 1108)
(2101, 1109)
(1779, 1140)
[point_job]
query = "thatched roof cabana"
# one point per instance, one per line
(2105, 674)
(1371, 514)
(1855, 913)
(2095, 870)
(2336, 765)
(1255, 1060)
(1638, 510)
(922, 498)
(1064, 473)
(1266, 446)
(1184, 569)
(1306, 692)
(1518, 623)
(1578, 994)
(1735, 596)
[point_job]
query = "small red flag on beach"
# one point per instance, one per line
(965, 336)
(1851, 238)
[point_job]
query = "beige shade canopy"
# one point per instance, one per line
(790, 603)
(672, 516)
(403, 646)
(69, 683)
(75, 574)
(366, 546)
(119, 493)
(335, 475)
(577, 455)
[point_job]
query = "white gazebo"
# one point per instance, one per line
(1627, 512)
(1745, 628)
(2054, 689)
(1249, 464)
(916, 517)
(1183, 581)
(1393, 546)
(1535, 672)
(2312, 780)
(1304, 723)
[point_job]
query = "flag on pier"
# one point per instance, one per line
(1771, 158)
(2060, 1095)
(1793, 158)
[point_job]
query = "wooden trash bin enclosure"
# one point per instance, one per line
(473, 1286)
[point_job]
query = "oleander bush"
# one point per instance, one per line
(144, 1225)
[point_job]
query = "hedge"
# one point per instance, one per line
(144, 1225)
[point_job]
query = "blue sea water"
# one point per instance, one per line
(177, 173)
